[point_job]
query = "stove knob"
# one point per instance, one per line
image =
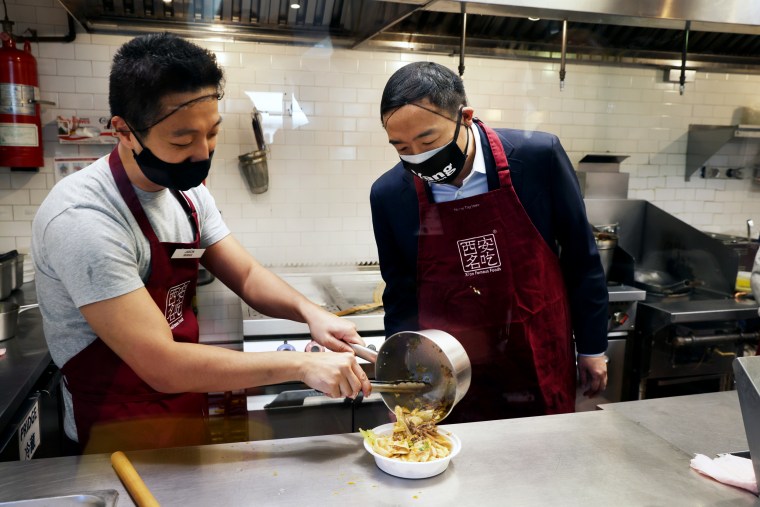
(313, 346)
(619, 318)
(286, 347)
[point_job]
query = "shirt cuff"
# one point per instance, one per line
(600, 354)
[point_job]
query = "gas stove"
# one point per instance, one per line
(335, 291)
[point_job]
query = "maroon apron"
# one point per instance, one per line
(114, 409)
(486, 276)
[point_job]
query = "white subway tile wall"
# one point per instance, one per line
(327, 145)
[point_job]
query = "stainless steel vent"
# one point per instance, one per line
(723, 35)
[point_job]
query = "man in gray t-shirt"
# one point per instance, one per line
(116, 249)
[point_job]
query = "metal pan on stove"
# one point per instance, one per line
(661, 282)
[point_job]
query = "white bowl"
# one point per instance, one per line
(411, 469)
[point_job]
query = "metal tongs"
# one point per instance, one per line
(399, 386)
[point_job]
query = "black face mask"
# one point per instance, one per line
(175, 176)
(441, 165)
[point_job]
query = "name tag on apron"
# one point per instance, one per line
(188, 253)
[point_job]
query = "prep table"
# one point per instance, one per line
(604, 457)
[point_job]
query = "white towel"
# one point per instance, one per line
(728, 469)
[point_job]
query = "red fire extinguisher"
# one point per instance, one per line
(20, 126)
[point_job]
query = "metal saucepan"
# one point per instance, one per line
(430, 356)
(9, 317)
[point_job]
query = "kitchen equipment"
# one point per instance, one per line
(432, 356)
(7, 273)
(606, 242)
(132, 481)
(410, 469)
(253, 165)
(293, 409)
(18, 273)
(100, 498)
(599, 176)
(9, 312)
(660, 282)
(399, 386)
(689, 327)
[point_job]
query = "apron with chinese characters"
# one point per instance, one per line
(486, 276)
(113, 408)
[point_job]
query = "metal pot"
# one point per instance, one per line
(431, 356)
(7, 273)
(9, 312)
(18, 272)
(606, 242)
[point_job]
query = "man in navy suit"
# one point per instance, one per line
(483, 233)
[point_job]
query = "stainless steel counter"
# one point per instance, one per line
(26, 356)
(588, 459)
(707, 424)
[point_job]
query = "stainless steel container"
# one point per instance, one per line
(606, 243)
(18, 272)
(253, 165)
(7, 276)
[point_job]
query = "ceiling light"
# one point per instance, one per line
(296, 4)
(533, 19)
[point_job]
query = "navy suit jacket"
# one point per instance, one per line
(548, 189)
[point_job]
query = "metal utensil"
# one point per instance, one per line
(431, 356)
(399, 386)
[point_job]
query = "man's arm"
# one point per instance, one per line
(583, 273)
(136, 330)
(397, 262)
(271, 295)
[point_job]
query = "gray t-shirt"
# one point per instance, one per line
(87, 247)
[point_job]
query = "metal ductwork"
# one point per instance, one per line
(722, 34)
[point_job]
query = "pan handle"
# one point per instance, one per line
(365, 353)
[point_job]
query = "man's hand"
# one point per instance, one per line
(338, 375)
(332, 331)
(593, 374)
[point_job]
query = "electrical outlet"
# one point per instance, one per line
(723, 173)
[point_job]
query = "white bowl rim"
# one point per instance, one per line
(387, 428)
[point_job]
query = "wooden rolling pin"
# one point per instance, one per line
(132, 481)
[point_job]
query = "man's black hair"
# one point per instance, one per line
(423, 80)
(148, 68)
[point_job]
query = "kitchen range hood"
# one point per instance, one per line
(720, 34)
(704, 141)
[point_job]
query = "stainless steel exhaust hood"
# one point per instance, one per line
(704, 141)
(723, 33)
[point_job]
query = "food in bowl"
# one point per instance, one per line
(412, 447)
(415, 437)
